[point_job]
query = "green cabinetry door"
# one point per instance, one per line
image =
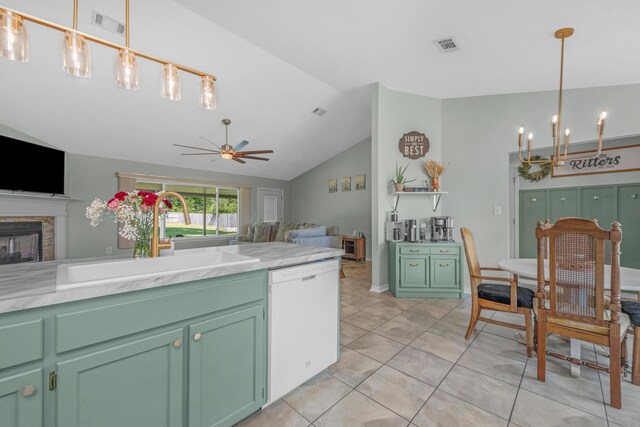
(533, 208)
(563, 203)
(21, 399)
(444, 272)
(226, 368)
(414, 271)
(629, 217)
(597, 203)
(137, 383)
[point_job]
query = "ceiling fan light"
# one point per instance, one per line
(14, 42)
(208, 93)
(76, 57)
(127, 75)
(170, 82)
(227, 156)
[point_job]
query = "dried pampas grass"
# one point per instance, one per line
(434, 168)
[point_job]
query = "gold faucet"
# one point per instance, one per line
(156, 243)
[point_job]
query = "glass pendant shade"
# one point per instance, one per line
(170, 82)
(76, 58)
(208, 94)
(14, 42)
(127, 75)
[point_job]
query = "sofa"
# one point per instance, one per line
(304, 234)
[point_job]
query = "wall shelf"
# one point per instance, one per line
(435, 195)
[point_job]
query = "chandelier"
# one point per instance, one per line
(560, 148)
(76, 57)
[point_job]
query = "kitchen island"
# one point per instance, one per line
(184, 348)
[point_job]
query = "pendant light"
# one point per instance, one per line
(76, 58)
(14, 42)
(170, 82)
(208, 93)
(127, 75)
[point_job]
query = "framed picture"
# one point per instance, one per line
(361, 182)
(346, 183)
(610, 160)
(333, 185)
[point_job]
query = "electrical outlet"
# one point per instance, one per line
(497, 210)
(109, 250)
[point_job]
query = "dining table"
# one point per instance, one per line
(528, 268)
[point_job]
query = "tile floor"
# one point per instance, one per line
(405, 362)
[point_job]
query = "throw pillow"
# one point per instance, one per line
(251, 232)
(319, 231)
(261, 233)
(284, 227)
(333, 230)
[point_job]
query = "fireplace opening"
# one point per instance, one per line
(20, 242)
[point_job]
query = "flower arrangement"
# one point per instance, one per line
(434, 169)
(134, 211)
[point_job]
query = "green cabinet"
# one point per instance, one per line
(598, 203)
(137, 383)
(21, 399)
(533, 208)
(563, 203)
(227, 369)
(425, 269)
(629, 217)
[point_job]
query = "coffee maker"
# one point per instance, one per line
(441, 228)
(395, 230)
(411, 226)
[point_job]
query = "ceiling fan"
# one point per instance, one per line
(227, 151)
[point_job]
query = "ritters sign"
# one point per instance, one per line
(414, 145)
(610, 160)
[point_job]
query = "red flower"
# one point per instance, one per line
(143, 193)
(167, 203)
(149, 199)
(120, 195)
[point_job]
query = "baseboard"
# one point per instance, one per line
(368, 259)
(379, 288)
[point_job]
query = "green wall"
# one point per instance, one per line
(311, 201)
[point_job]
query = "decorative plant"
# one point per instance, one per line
(400, 178)
(434, 169)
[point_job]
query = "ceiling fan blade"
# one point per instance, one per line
(241, 145)
(206, 140)
(255, 152)
(239, 160)
(196, 148)
(255, 158)
(200, 154)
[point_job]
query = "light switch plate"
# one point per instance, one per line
(497, 210)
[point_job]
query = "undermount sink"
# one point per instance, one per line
(87, 274)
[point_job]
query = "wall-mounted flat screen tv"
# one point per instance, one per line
(34, 168)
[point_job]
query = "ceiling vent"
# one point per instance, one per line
(447, 44)
(319, 111)
(107, 23)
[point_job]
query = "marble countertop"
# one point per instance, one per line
(31, 285)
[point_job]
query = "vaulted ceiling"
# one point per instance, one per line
(278, 60)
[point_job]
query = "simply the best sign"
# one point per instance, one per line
(414, 145)
(610, 160)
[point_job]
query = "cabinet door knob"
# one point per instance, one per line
(596, 197)
(28, 390)
(444, 265)
(177, 343)
(411, 250)
(533, 199)
(444, 251)
(414, 265)
(562, 199)
(197, 336)
(634, 196)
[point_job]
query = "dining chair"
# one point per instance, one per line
(575, 304)
(505, 297)
(632, 309)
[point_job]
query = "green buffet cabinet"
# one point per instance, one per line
(189, 354)
(431, 270)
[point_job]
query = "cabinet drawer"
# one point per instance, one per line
(414, 250)
(445, 250)
(444, 272)
(21, 343)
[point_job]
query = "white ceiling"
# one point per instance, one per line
(277, 60)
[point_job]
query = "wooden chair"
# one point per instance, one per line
(575, 307)
(632, 309)
(508, 298)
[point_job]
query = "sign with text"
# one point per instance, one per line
(414, 145)
(610, 160)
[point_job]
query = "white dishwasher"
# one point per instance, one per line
(303, 324)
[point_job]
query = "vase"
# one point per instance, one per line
(399, 187)
(142, 244)
(435, 184)
(142, 248)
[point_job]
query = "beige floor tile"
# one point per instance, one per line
(317, 395)
(279, 414)
(376, 347)
(402, 303)
(452, 331)
(440, 346)
(502, 368)
(502, 331)
(445, 410)
(358, 410)
(385, 311)
(423, 366)
(534, 410)
(346, 311)
(501, 346)
(431, 309)
(480, 390)
(365, 320)
(398, 331)
(460, 316)
(628, 415)
(353, 367)
(349, 332)
(563, 388)
(415, 319)
(401, 393)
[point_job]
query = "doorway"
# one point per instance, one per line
(270, 205)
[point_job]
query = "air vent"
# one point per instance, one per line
(319, 111)
(107, 23)
(447, 44)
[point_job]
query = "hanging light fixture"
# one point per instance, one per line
(560, 148)
(14, 42)
(76, 58)
(14, 45)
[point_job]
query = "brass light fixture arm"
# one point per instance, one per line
(63, 28)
